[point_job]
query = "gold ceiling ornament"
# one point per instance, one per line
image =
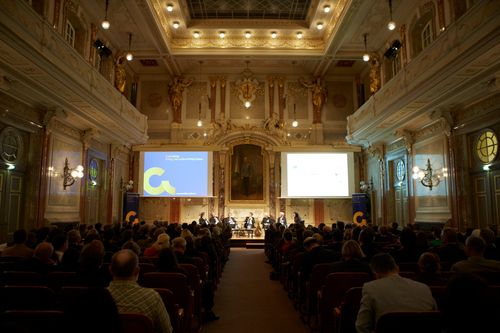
(247, 87)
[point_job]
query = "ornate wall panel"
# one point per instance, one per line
(339, 103)
(63, 205)
(431, 205)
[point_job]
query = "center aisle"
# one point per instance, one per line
(248, 301)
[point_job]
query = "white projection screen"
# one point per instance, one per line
(317, 175)
(176, 174)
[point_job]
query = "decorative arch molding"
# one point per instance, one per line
(249, 136)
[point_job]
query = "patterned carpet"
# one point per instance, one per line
(248, 301)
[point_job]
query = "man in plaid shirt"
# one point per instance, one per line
(130, 297)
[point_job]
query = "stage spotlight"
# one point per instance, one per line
(103, 50)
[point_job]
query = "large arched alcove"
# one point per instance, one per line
(260, 148)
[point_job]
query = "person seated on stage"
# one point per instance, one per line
(231, 221)
(202, 220)
(213, 219)
(266, 221)
(249, 224)
(282, 219)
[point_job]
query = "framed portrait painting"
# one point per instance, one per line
(247, 173)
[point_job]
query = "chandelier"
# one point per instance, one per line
(429, 178)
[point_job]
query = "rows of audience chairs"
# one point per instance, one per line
(42, 301)
(329, 302)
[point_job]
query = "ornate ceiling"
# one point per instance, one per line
(280, 36)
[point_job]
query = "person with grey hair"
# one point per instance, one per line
(130, 297)
(390, 293)
(476, 263)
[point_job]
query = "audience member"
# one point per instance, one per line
(162, 242)
(491, 251)
(314, 254)
(390, 292)
(429, 270)
(93, 311)
(468, 305)
(351, 261)
(366, 238)
(130, 297)
(19, 248)
(451, 251)
(41, 261)
(90, 272)
(476, 263)
(408, 251)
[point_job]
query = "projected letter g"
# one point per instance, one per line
(164, 185)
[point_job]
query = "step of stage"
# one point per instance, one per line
(248, 243)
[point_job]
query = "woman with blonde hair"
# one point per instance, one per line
(162, 242)
(352, 259)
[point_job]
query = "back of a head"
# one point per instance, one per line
(408, 238)
(124, 263)
(58, 241)
(487, 235)
(287, 235)
(366, 236)
(179, 243)
(310, 242)
(43, 251)
(20, 236)
(74, 237)
(92, 254)
(475, 245)
(131, 245)
(163, 241)
(167, 261)
(352, 250)
(449, 235)
(429, 262)
(383, 263)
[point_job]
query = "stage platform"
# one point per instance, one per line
(249, 243)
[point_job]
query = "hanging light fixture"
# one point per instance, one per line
(199, 123)
(129, 55)
(391, 25)
(105, 24)
(366, 56)
(295, 123)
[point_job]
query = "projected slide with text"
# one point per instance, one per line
(317, 175)
(176, 174)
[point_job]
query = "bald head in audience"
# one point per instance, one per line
(124, 265)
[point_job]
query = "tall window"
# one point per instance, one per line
(70, 33)
(426, 35)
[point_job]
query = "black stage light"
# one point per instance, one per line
(103, 50)
(393, 50)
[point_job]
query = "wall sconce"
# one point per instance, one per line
(70, 175)
(126, 187)
(429, 178)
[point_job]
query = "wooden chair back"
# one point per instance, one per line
(410, 322)
(136, 322)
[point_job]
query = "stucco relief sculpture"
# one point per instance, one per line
(374, 75)
(319, 94)
(175, 90)
(120, 74)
